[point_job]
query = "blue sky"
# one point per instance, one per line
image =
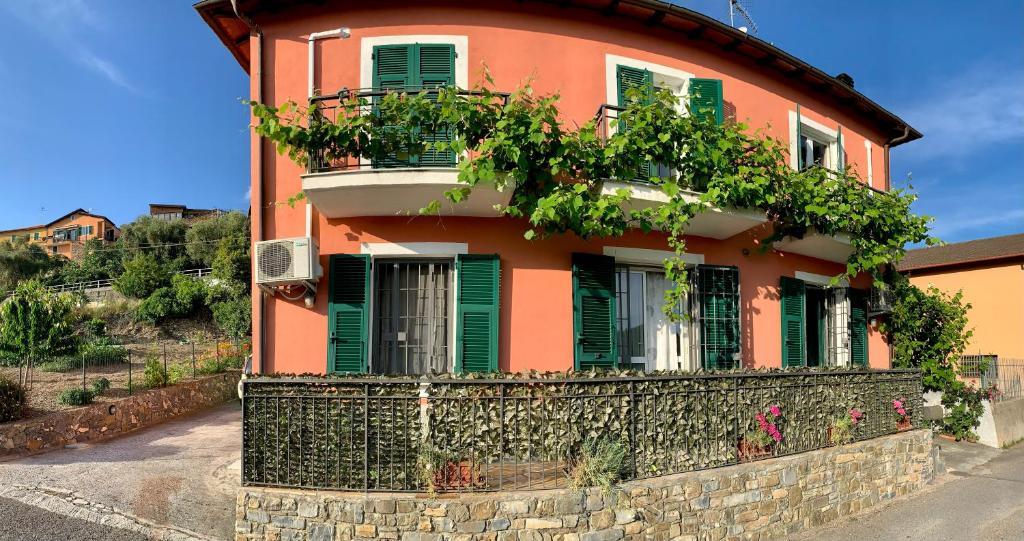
(111, 105)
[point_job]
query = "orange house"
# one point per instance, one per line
(466, 291)
(990, 272)
(66, 235)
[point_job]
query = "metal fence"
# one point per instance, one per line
(1007, 375)
(512, 434)
(117, 370)
(109, 282)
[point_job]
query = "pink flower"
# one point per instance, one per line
(902, 412)
(897, 404)
(775, 410)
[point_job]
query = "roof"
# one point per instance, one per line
(220, 15)
(961, 253)
(15, 230)
(82, 211)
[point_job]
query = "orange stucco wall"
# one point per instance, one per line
(559, 51)
(996, 295)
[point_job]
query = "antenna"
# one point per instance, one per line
(736, 6)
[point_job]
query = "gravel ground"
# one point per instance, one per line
(19, 522)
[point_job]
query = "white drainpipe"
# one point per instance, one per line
(342, 33)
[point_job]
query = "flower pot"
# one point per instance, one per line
(748, 451)
(457, 475)
(903, 424)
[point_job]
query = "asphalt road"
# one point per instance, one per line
(981, 502)
(19, 522)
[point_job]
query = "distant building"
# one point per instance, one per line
(991, 274)
(169, 213)
(67, 234)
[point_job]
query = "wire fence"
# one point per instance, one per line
(111, 371)
(515, 434)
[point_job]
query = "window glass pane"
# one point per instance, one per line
(629, 299)
(411, 322)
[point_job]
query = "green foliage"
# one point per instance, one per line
(927, 330)
(96, 327)
(160, 239)
(203, 238)
(154, 375)
(100, 386)
(231, 264)
(99, 261)
(964, 408)
(556, 173)
(189, 294)
(75, 396)
(233, 316)
(21, 260)
(35, 322)
(841, 431)
(600, 464)
(12, 400)
(157, 307)
(142, 276)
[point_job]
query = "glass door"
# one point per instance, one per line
(412, 315)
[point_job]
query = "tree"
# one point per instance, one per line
(99, 261)
(231, 264)
(35, 322)
(204, 237)
(927, 330)
(162, 239)
(142, 276)
(21, 260)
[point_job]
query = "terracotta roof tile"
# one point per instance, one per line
(964, 252)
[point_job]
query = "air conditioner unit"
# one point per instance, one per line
(287, 262)
(880, 301)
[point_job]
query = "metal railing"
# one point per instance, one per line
(109, 282)
(330, 106)
(513, 434)
(1007, 375)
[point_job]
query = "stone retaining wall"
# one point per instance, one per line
(771, 499)
(97, 421)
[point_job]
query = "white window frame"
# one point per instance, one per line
(836, 342)
(461, 44)
(678, 79)
(412, 250)
(868, 150)
(817, 131)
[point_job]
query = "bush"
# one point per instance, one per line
(35, 322)
(234, 316)
(12, 400)
(599, 464)
(965, 407)
(103, 351)
(142, 276)
(96, 327)
(154, 374)
(189, 294)
(100, 386)
(157, 307)
(75, 397)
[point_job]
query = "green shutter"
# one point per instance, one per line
(477, 305)
(435, 65)
(792, 298)
(840, 157)
(348, 311)
(392, 70)
(719, 291)
(706, 98)
(593, 292)
(858, 326)
(628, 78)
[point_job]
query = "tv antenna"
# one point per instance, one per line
(735, 6)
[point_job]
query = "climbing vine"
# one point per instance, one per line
(520, 142)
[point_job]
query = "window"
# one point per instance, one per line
(813, 152)
(414, 67)
(822, 325)
(619, 320)
(813, 144)
(428, 314)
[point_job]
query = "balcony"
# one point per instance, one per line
(835, 248)
(715, 223)
(353, 186)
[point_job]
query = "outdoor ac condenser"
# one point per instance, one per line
(287, 261)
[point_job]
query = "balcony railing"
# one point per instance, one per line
(512, 434)
(330, 107)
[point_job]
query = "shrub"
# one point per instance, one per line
(155, 375)
(157, 307)
(96, 327)
(103, 351)
(60, 364)
(189, 293)
(600, 464)
(142, 276)
(234, 316)
(100, 386)
(12, 400)
(75, 396)
(35, 322)
(965, 408)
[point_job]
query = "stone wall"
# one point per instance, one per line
(771, 499)
(90, 423)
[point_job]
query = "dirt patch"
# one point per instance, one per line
(154, 499)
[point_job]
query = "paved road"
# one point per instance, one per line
(19, 522)
(976, 502)
(181, 474)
